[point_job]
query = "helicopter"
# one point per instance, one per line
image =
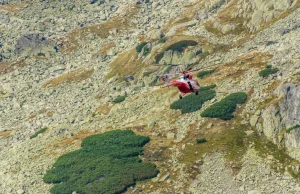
(185, 84)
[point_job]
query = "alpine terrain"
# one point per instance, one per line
(84, 109)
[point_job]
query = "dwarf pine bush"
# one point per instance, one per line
(163, 40)
(268, 71)
(181, 45)
(106, 163)
(202, 140)
(225, 108)
(38, 132)
(212, 86)
(192, 102)
(202, 74)
(119, 99)
(140, 47)
(292, 128)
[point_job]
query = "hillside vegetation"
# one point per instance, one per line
(106, 163)
(226, 107)
(192, 102)
(72, 70)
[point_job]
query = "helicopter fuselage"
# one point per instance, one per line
(184, 87)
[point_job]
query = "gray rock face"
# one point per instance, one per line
(290, 111)
(271, 123)
(290, 105)
(32, 43)
(175, 57)
(275, 119)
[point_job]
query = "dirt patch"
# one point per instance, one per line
(74, 76)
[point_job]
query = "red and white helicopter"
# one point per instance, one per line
(185, 84)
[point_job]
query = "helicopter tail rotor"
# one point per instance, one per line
(165, 78)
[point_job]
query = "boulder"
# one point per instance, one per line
(33, 44)
(93, 1)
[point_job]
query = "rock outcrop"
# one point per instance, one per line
(34, 44)
(280, 121)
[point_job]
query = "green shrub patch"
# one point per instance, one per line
(38, 132)
(192, 102)
(106, 163)
(147, 73)
(181, 45)
(292, 128)
(225, 108)
(119, 99)
(147, 50)
(140, 47)
(212, 86)
(202, 140)
(268, 71)
(163, 40)
(202, 74)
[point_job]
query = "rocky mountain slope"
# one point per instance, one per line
(64, 62)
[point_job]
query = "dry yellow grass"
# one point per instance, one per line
(104, 109)
(4, 134)
(272, 86)
(49, 114)
(186, 16)
(13, 8)
(272, 100)
(43, 111)
(281, 16)
(106, 47)
(71, 43)
(236, 68)
(126, 64)
(296, 77)
(76, 139)
(225, 15)
(31, 116)
(11, 66)
(74, 76)
(210, 28)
